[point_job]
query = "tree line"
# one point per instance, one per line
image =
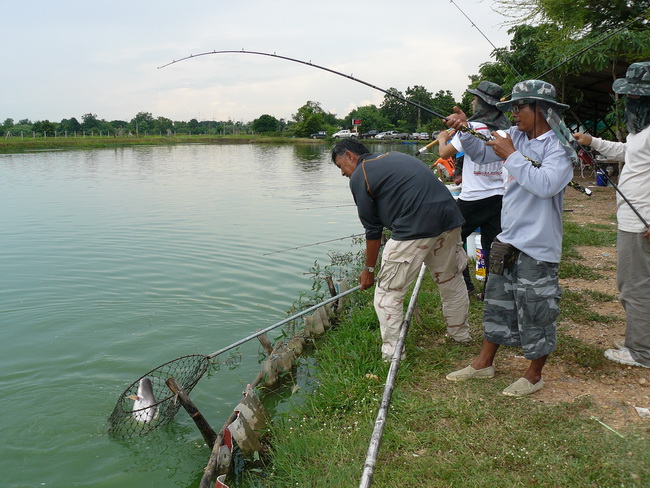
(393, 114)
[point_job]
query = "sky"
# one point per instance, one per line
(68, 58)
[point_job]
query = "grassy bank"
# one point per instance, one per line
(26, 144)
(442, 434)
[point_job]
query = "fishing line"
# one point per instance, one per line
(312, 244)
(496, 51)
(327, 206)
(572, 183)
(539, 77)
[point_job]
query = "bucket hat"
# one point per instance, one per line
(532, 91)
(489, 92)
(636, 81)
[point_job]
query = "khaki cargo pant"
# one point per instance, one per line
(445, 259)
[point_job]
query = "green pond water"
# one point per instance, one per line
(115, 261)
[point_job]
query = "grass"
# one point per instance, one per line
(442, 434)
(27, 144)
(572, 264)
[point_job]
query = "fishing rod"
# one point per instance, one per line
(313, 65)
(465, 129)
(433, 143)
(615, 186)
(424, 149)
(535, 164)
(313, 244)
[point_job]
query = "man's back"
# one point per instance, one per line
(399, 192)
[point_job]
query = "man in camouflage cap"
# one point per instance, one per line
(483, 185)
(522, 294)
(633, 239)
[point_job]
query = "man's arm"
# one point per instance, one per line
(367, 278)
(445, 150)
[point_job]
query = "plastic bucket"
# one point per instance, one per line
(601, 177)
(471, 245)
(480, 260)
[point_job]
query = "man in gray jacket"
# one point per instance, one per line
(399, 192)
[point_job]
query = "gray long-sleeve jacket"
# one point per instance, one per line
(400, 192)
(531, 216)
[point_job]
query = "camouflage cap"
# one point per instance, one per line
(489, 92)
(636, 81)
(532, 90)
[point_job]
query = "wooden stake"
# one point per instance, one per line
(206, 431)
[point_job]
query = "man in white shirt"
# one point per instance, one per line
(483, 185)
(633, 239)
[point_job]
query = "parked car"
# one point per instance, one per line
(344, 134)
(402, 135)
(370, 134)
(321, 134)
(424, 136)
(415, 136)
(385, 135)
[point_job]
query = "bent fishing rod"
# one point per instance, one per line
(309, 63)
(465, 129)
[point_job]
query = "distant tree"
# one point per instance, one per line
(142, 122)
(193, 125)
(311, 118)
(45, 127)
(70, 125)
(266, 123)
(371, 118)
(89, 122)
(415, 116)
(181, 127)
(162, 125)
(393, 108)
(8, 123)
(24, 122)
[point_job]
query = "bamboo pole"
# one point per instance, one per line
(380, 422)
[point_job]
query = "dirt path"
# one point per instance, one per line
(617, 390)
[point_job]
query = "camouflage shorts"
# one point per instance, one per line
(521, 307)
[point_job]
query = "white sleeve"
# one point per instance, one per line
(611, 150)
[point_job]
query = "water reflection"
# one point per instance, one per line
(117, 260)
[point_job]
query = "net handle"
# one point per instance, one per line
(282, 322)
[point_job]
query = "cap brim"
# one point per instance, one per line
(507, 106)
(623, 87)
(486, 98)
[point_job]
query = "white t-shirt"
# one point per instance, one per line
(634, 181)
(480, 180)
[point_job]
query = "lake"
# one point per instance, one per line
(115, 261)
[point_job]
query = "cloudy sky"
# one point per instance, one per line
(71, 57)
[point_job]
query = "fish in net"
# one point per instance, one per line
(131, 419)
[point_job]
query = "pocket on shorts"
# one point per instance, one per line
(394, 272)
(542, 303)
